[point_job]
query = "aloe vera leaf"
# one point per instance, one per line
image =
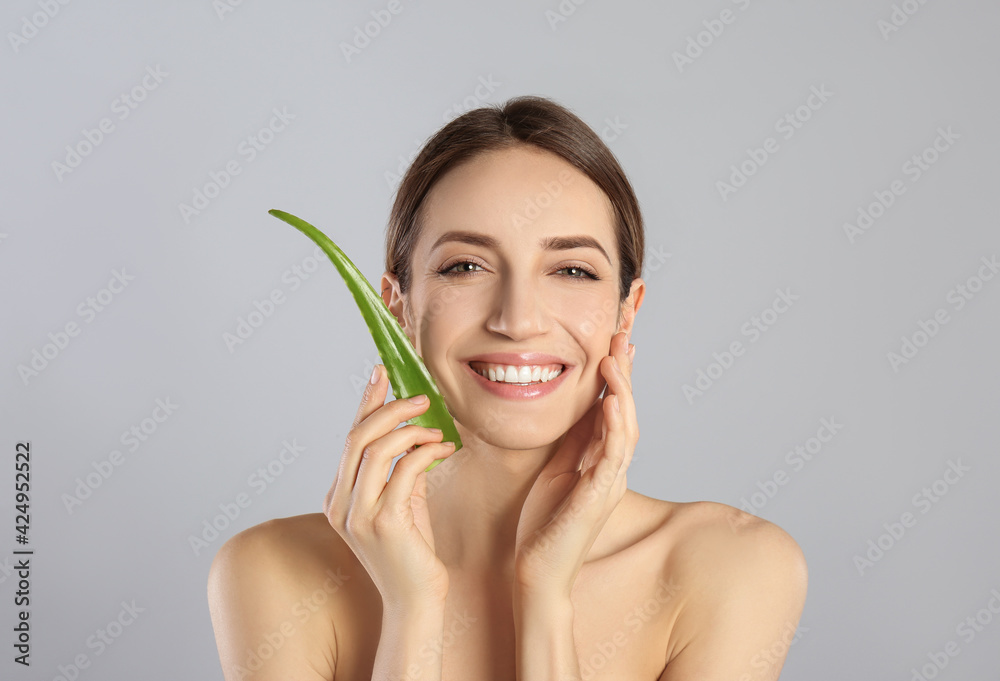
(408, 374)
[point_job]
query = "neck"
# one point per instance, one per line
(474, 499)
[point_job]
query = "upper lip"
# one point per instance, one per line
(518, 359)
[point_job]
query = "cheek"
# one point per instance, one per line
(591, 326)
(440, 321)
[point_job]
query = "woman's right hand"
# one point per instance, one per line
(386, 524)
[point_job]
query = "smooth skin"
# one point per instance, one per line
(523, 555)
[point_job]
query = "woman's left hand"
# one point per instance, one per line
(578, 488)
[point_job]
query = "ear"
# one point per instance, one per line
(631, 306)
(396, 302)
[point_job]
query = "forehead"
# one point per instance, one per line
(518, 195)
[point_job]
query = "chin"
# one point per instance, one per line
(499, 430)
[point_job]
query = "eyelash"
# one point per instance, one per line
(588, 273)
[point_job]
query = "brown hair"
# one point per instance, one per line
(531, 120)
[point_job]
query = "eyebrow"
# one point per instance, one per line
(552, 243)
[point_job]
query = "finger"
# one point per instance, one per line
(403, 482)
(379, 422)
(617, 387)
(621, 354)
(575, 444)
(335, 505)
(373, 397)
(622, 389)
(594, 446)
(615, 456)
(376, 460)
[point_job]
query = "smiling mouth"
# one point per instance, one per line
(540, 375)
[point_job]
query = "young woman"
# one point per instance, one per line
(513, 258)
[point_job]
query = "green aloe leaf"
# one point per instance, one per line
(408, 374)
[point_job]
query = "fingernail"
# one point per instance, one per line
(434, 430)
(631, 352)
(617, 406)
(419, 399)
(374, 379)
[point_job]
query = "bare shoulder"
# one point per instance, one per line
(744, 581)
(296, 548)
(710, 538)
(271, 588)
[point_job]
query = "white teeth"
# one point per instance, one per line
(524, 374)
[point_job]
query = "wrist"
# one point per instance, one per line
(414, 607)
(542, 598)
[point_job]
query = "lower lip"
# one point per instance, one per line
(512, 391)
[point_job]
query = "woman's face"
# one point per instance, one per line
(511, 243)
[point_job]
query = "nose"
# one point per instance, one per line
(517, 309)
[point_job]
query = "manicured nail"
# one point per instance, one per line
(419, 399)
(375, 375)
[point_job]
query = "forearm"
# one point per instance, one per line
(410, 644)
(545, 647)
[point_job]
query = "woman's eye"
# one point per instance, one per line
(451, 268)
(583, 272)
(586, 273)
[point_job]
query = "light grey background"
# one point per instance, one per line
(712, 264)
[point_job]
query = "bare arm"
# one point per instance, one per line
(545, 644)
(748, 591)
(263, 629)
(411, 643)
